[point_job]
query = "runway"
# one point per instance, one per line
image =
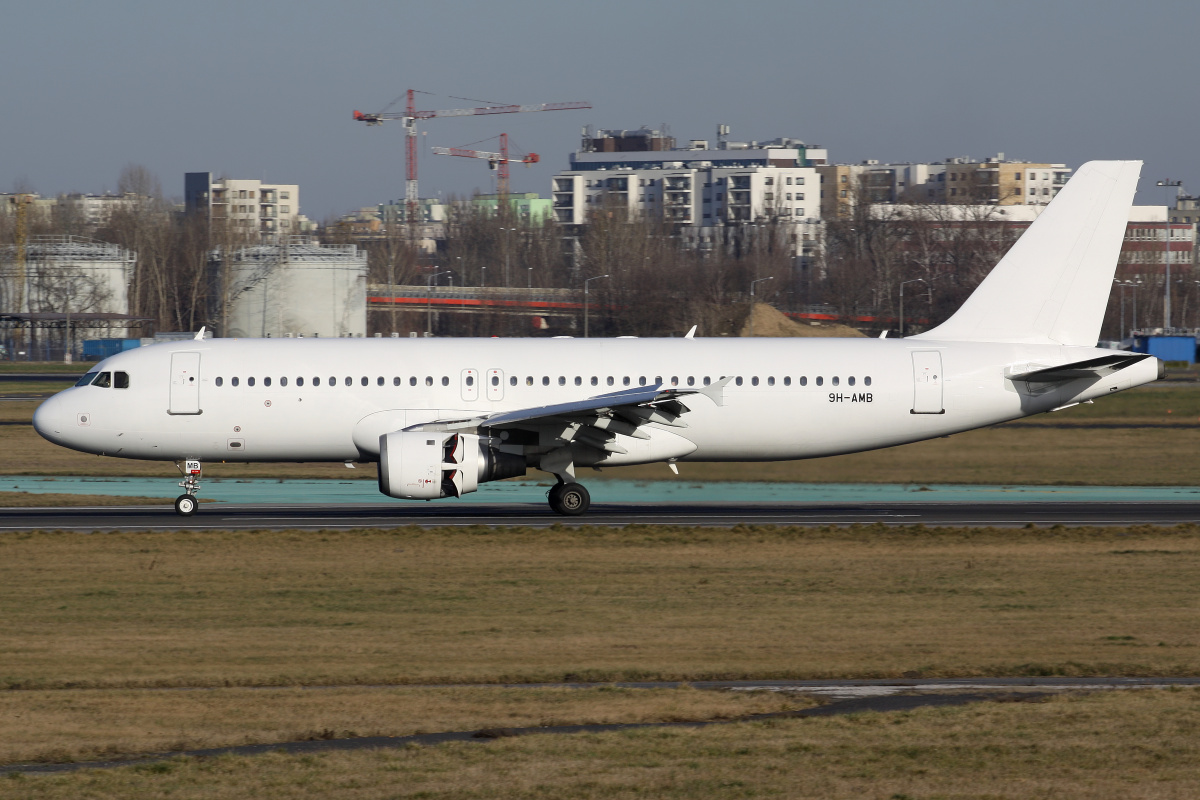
(716, 514)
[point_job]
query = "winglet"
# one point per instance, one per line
(692, 333)
(200, 333)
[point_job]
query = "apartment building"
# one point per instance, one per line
(246, 206)
(696, 187)
(994, 181)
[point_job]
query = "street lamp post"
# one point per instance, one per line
(750, 331)
(1168, 185)
(507, 252)
(429, 300)
(585, 301)
(914, 280)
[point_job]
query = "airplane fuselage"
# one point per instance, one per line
(331, 399)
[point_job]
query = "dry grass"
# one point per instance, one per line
(93, 725)
(1156, 429)
(37, 500)
(1117, 746)
(485, 605)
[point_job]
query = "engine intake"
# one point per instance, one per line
(418, 465)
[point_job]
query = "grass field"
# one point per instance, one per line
(92, 625)
(1155, 430)
(1118, 746)
(127, 610)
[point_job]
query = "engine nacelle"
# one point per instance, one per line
(420, 465)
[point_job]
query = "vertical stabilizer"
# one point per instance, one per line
(1053, 286)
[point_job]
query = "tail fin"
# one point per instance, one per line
(1053, 286)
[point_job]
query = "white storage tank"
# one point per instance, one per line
(296, 288)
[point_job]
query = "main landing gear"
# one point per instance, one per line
(569, 499)
(186, 504)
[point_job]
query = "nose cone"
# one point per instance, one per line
(51, 420)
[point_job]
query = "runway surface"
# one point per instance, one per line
(390, 515)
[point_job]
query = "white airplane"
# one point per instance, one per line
(441, 416)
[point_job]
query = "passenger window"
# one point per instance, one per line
(349, 380)
(529, 380)
(429, 380)
(674, 380)
(803, 380)
(91, 376)
(412, 381)
(219, 382)
(316, 381)
(445, 381)
(234, 381)
(835, 380)
(707, 380)
(610, 380)
(283, 381)
(249, 381)
(121, 380)
(578, 381)
(787, 380)
(470, 380)
(595, 380)
(867, 381)
(625, 381)
(512, 381)
(364, 380)
(658, 380)
(104, 380)
(299, 381)
(738, 380)
(771, 381)
(754, 381)
(333, 380)
(691, 381)
(266, 381)
(379, 381)
(820, 380)
(641, 380)
(850, 380)
(396, 381)
(496, 380)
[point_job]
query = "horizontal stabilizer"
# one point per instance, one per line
(1092, 368)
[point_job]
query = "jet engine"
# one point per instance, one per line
(422, 465)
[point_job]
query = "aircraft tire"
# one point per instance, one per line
(185, 505)
(573, 500)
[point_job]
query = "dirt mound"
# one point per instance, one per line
(767, 321)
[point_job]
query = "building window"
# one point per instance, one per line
(285, 196)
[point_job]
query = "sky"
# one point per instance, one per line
(266, 89)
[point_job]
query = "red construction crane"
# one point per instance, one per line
(497, 161)
(410, 116)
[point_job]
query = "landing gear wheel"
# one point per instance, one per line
(185, 505)
(570, 499)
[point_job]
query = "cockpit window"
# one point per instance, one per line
(121, 380)
(104, 380)
(86, 379)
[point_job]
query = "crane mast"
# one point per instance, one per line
(409, 117)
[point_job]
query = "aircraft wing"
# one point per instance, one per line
(594, 421)
(1091, 368)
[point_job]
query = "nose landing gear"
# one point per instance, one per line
(186, 504)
